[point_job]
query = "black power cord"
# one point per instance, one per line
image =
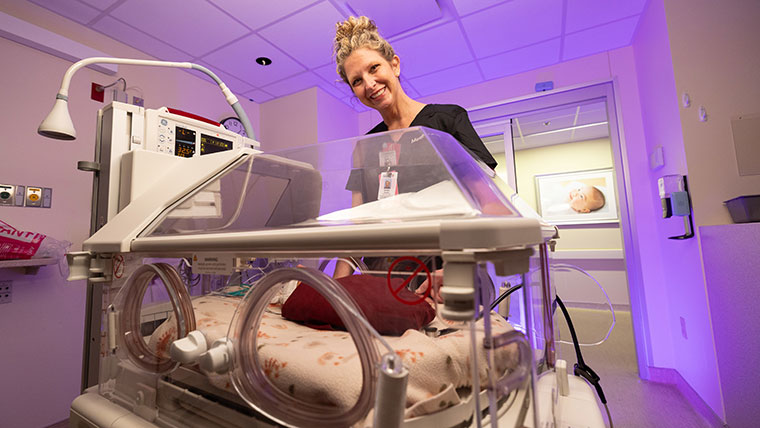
(504, 295)
(580, 368)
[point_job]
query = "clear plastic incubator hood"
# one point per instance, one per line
(350, 283)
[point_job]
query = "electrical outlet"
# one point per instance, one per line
(7, 191)
(33, 196)
(5, 291)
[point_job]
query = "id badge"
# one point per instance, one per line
(388, 185)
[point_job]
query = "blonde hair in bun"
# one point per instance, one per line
(355, 33)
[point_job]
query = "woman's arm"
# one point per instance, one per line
(343, 268)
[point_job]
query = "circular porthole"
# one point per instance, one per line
(130, 315)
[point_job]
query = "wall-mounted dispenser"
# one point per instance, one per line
(674, 196)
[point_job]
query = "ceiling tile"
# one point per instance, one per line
(431, 50)
(307, 35)
(519, 60)
(388, 19)
(452, 78)
(409, 89)
(71, 9)
(100, 4)
(258, 96)
(293, 84)
(139, 40)
(465, 7)
(239, 59)
(177, 23)
(513, 25)
(236, 85)
(264, 12)
(334, 90)
(328, 73)
(582, 14)
(599, 39)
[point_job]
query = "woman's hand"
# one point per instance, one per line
(437, 281)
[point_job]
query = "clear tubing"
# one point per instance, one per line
(488, 337)
(567, 267)
(248, 376)
(475, 375)
(129, 303)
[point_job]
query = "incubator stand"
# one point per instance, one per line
(224, 306)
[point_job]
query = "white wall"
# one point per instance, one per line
(42, 329)
(335, 120)
(306, 117)
(289, 121)
(715, 48)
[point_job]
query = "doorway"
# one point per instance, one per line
(548, 145)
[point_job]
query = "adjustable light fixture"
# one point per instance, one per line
(58, 123)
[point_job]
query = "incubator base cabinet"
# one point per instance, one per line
(379, 281)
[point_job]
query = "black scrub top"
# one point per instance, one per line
(452, 119)
(448, 118)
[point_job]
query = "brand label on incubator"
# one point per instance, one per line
(217, 264)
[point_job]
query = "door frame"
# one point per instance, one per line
(602, 89)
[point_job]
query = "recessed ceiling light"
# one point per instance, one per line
(547, 123)
(262, 60)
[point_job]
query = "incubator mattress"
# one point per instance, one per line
(323, 366)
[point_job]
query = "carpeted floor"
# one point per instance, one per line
(633, 403)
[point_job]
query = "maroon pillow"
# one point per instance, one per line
(384, 311)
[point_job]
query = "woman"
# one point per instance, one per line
(369, 65)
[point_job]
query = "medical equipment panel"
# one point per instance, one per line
(124, 128)
(311, 293)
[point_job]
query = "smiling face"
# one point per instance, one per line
(584, 198)
(373, 79)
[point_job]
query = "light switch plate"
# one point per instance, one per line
(47, 197)
(20, 195)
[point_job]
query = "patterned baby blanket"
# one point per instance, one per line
(323, 366)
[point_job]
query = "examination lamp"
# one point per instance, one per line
(58, 123)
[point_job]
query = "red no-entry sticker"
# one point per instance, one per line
(397, 291)
(118, 266)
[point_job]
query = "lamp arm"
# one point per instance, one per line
(63, 93)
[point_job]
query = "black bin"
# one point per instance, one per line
(744, 209)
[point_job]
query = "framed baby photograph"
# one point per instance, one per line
(579, 197)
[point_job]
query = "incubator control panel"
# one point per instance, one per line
(178, 135)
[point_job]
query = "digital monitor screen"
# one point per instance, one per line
(184, 142)
(211, 144)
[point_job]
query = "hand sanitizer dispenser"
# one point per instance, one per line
(674, 197)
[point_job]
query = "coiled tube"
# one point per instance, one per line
(247, 373)
(129, 304)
